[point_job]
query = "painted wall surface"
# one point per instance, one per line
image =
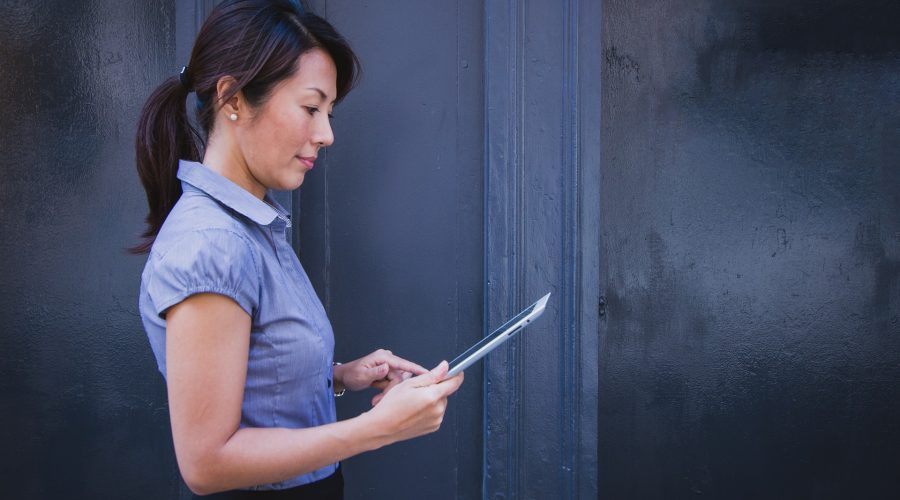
(463, 185)
(542, 166)
(751, 250)
(392, 231)
(391, 225)
(83, 408)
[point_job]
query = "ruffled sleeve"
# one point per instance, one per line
(206, 261)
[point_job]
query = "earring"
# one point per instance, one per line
(232, 117)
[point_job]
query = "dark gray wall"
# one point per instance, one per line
(542, 166)
(751, 250)
(393, 230)
(391, 225)
(83, 408)
(463, 186)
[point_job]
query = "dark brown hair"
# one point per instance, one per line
(256, 42)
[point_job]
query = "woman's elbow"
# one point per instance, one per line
(196, 482)
(199, 476)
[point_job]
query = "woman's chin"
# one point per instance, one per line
(292, 183)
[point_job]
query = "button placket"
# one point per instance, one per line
(298, 284)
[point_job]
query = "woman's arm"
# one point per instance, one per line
(207, 342)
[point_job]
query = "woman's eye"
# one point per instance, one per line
(312, 111)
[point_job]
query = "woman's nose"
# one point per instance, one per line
(323, 134)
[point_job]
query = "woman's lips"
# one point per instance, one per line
(309, 162)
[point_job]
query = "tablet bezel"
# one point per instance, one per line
(507, 331)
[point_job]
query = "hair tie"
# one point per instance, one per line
(185, 80)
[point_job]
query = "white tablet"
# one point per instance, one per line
(499, 336)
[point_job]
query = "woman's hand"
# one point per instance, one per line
(393, 378)
(415, 406)
(381, 369)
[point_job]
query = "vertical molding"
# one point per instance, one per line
(569, 265)
(585, 39)
(566, 458)
(504, 242)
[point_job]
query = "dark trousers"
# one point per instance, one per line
(330, 488)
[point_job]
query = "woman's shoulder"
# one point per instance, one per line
(202, 248)
(196, 219)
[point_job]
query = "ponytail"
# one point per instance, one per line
(164, 135)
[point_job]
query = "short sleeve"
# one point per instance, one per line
(208, 261)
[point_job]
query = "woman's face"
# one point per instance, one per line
(281, 139)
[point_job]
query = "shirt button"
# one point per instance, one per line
(328, 382)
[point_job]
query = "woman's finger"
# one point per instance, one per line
(450, 385)
(393, 376)
(431, 377)
(398, 363)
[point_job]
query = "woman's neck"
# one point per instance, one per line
(225, 158)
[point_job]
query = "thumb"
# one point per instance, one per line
(434, 376)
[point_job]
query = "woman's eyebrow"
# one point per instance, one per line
(321, 93)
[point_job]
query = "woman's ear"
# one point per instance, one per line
(235, 103)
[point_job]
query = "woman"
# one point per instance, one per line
(236, 328)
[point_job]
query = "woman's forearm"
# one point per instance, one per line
(254, 456)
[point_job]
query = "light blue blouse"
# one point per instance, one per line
(221, 239)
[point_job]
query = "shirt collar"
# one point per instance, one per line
(230, 194)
